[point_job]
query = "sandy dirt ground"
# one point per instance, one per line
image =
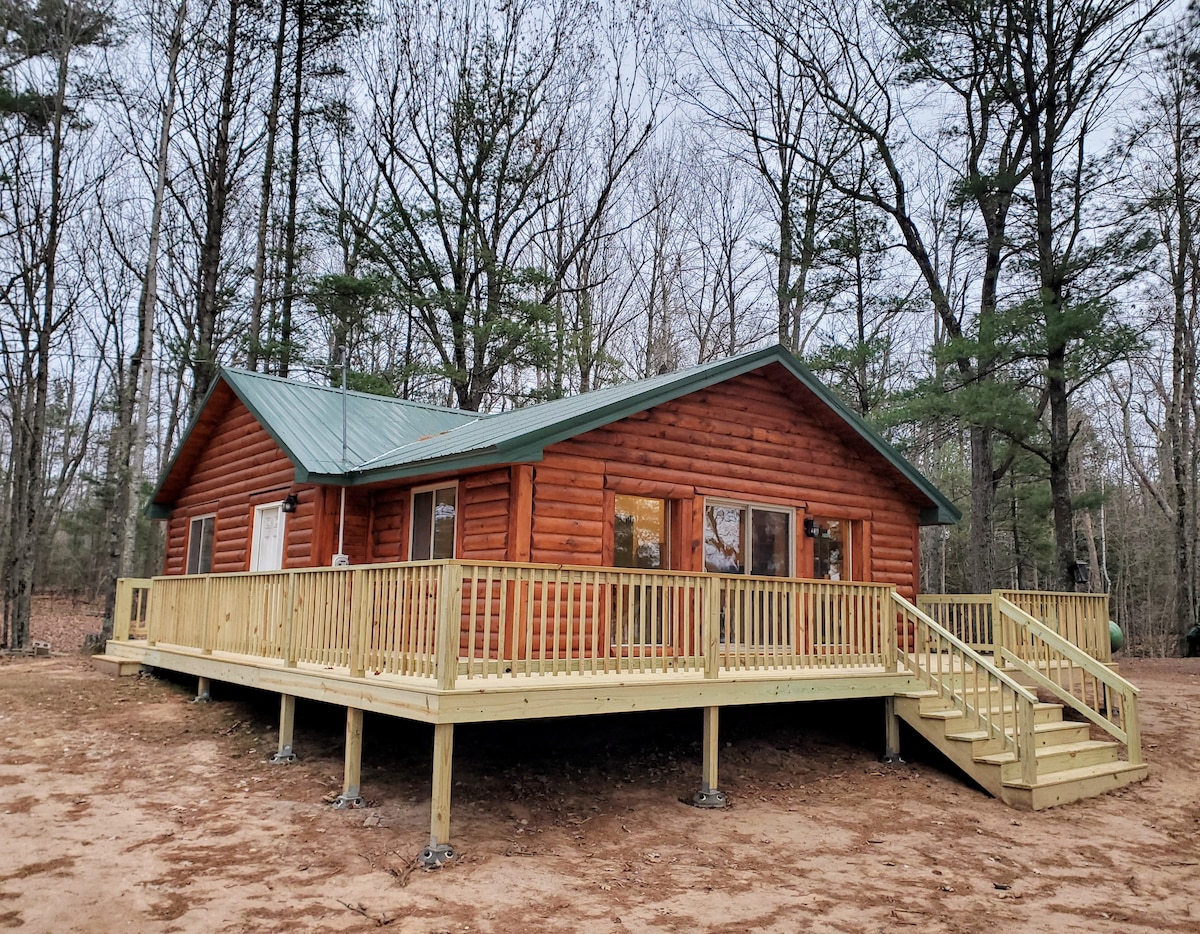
(125, 807)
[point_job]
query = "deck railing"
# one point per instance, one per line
(129, 608)
(988, 698)
(1080, 618)
(448, 620)
(1072, 675)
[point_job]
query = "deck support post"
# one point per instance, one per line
(203, 691)
(287, 728)
(709, 795)
(891, 733)
(350, 798)
(439, 849)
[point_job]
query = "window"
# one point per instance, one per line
(744, 539)
(640, 541)
(200, 544)
(640, 532)
(434, 523)
(266, 545)
(831, 549)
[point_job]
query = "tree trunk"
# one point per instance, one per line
(293, 195)
(254, 348)
(204, 365)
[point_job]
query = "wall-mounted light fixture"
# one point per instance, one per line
(810, 528)
(289, 504)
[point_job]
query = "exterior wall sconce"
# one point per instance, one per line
(810, 528)
(289, 504)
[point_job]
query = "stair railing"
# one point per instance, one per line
(1074, 677)
(971, 684)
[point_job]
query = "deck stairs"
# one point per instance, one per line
(1071, 765)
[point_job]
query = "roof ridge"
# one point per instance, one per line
(395, 400)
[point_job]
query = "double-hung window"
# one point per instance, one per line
(434, 522)
(200, 544)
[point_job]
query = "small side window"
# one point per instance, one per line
(434, 523)
(200, 544)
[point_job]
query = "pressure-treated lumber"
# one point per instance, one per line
(352, 773)
(712, 745)
(439, 808)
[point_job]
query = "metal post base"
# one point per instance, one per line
(891, 759)
(435, 856)
(202, 698)
(346, 802)
(285, 756)
(710, 799)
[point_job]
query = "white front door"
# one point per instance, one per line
(266, 546)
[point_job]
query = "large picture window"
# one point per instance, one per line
(740, 538)
(200, 544)
(434, 523)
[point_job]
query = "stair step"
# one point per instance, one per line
(1052, 760)
(1067, 757)
(1069, 785)
(1060, 732)
(1063, 756)
(116, 666)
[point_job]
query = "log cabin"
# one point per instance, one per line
(727, 534)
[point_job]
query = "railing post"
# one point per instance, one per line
(1133, 727)
(1027, 741)
(711, 629)
(997, 627)
(289, 622)
(206, 619)
(122, 609)
(154, 596)
(449, 622)
(358, 615)
(889, 630)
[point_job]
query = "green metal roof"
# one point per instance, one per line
(522, 434)
(389, 439)
(306, 421)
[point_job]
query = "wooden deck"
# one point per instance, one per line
(456, 642)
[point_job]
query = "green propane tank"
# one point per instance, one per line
(1116, 638)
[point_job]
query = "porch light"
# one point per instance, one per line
(1079, 572)
(289, 504)
(810, 528)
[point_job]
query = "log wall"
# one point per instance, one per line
(747, 440)
(240, 467)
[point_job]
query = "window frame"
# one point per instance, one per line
(199, 544)
(412, 515)
(749, 507)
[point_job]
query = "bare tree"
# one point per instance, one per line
(472, 106)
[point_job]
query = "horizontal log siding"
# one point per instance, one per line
(240, 466)
(742, 439)
(483, 516)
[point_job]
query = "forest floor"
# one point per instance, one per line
(124, 807)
